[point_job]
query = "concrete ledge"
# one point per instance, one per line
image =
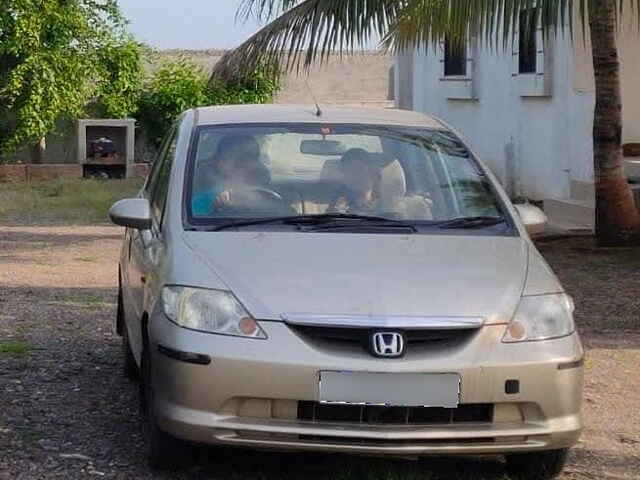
(53, 171)
(568, 211)
(13, 172)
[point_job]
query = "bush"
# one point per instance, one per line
(260, 88)
(180, 85)
(175, 87)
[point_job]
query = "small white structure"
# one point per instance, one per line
(527, 111)
(120, 131)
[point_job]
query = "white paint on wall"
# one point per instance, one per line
(535, 145)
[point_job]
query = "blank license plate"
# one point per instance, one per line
(395, 389)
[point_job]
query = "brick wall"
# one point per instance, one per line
(21, 172)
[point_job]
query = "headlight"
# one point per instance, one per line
(541, 318)
(213, 311)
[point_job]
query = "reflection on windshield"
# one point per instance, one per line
(265, 171)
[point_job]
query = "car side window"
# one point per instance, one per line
(160, 186)
(155, 167)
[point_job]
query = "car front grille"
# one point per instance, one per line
(396, 443)
(362, 336)
(377, 415)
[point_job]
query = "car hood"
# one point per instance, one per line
(278, 273)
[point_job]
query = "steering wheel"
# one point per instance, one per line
(247, 198)
(267, 192)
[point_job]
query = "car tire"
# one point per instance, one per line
(164, 451)
(130, 367)
(536, 465)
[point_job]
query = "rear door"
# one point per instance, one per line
(128, 269)
(147, 245)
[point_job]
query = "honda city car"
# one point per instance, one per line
(344, 280)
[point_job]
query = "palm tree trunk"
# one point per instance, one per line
(617, 218)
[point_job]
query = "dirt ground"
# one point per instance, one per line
(67, 412)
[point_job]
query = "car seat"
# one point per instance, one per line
(392, 195)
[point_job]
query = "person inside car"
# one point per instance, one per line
(359, 178)
(236, 167)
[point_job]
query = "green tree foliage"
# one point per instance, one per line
(121, 79)
(180, 85)
(55, 55)
(63, 59)
(176, 86)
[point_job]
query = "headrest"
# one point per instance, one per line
(393, 182)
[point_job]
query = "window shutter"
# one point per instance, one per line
(515, 54)
(540, 54)
(440, 52)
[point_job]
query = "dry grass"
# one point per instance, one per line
(62, 202)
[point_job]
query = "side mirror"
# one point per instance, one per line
(533, 219)
(131, 213)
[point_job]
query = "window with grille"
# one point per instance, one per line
(528, 48)
(455, 58)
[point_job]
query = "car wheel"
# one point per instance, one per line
(130, 367)
(164, 451)
(536, 465)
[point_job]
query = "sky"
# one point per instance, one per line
(188, 24)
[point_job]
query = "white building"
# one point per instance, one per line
(528, 114)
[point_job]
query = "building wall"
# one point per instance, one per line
(535, 145)
(403, 80)
(523, 140)
(362, 77)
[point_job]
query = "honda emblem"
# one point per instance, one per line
(387, 344)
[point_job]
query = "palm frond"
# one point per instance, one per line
(424, 22)
(307, 33)
(264, 9)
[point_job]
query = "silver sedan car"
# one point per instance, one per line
(351, 281)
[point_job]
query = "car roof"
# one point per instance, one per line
(269, 113)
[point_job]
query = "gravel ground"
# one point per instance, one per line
(67, 412)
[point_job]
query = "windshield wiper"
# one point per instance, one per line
(372, 227)
(472, 222)
(305, 220)
(358, 223)
(330, 217)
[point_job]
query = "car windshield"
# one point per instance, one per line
(414, 175)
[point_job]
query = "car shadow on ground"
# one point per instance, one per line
(239, 463)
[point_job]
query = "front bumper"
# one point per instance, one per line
(248, 394)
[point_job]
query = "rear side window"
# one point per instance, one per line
(160, 184)
(155, 168)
